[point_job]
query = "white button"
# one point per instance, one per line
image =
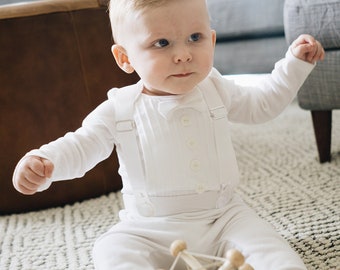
(185, 120)
(200, 188)
(191, 143)
(195, 165)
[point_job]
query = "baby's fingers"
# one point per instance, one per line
(31, 173)
(48, 168)
(303, 40)
(36, 166)
(317, 54)
(306, 48)
(304, 51)
(30, 183)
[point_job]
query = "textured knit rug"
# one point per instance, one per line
(280, 177)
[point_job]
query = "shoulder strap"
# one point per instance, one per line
(227, 162)
(127, 139)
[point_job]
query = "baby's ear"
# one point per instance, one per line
(213, 37)
(122, 60)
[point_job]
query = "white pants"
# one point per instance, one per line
(143, 242)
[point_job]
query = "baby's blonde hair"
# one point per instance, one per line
(119, 9)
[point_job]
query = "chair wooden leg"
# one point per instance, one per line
(322, 122)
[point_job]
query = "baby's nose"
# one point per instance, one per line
(183, 55)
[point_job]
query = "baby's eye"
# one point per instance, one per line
(195, 37)
(162, 43)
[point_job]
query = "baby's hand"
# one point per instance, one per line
(306, 48)
(31, 173)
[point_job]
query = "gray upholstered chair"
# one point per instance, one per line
(321, 92)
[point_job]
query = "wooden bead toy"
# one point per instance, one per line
(234, 259)
(179, 248)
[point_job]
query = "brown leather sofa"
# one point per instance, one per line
(55, 67)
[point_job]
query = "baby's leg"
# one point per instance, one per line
(258, 240)
(116, 250)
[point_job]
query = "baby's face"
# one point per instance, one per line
(170, 47)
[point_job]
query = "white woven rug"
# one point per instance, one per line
(281, 179)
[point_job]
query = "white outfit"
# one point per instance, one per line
(189, 172)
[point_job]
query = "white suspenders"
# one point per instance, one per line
(218, 113)
(127, 138)
(129, 145)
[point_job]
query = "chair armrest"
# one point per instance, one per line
(319, 18)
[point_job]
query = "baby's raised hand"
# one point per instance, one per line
(31, 173)
(306, 48)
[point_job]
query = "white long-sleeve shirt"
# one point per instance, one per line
(175, 133)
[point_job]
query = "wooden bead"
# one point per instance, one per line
(178, 248)
(235, 257)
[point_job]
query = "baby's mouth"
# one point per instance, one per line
(182, 75)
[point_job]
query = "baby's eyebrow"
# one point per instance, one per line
(154, 37)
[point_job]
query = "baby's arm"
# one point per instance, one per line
(70, 156)
(31, 173)
(268, 98)
(306, 48)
